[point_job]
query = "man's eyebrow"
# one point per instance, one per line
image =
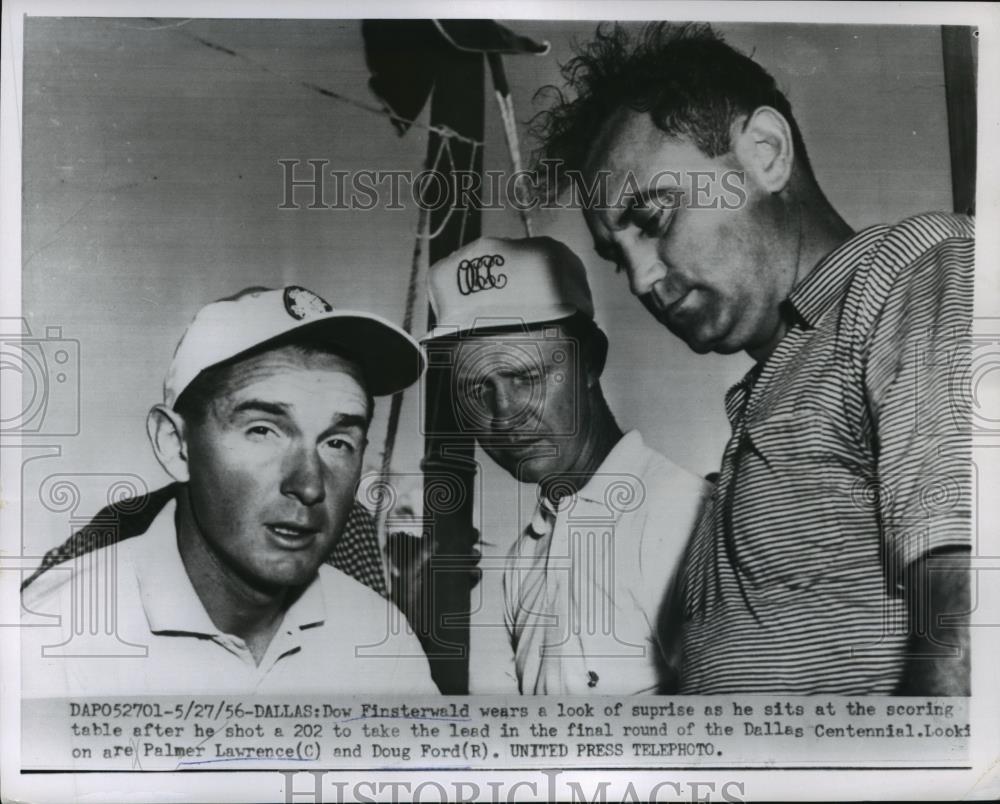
(620, 217)
(620, 220)
(643, 200)
(260, 406)
(518, 370)
(344, 420)
(604, 246)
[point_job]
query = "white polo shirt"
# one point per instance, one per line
(584, 584)
(130, 622)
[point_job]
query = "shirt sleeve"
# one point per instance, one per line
(916, 376)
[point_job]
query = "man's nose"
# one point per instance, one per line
(644, 268)
(508, 406)
(304, 476)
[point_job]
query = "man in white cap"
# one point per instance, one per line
(263, 425)
(585, 580)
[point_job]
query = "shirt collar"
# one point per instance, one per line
(615, 486)
(169, 598)
(826, 283)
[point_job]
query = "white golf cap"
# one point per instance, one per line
(390, 360)
(495, 282)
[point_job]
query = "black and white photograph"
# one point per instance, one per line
(463, 402)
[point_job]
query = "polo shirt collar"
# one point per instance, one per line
(827, 282)
(613, 486)
(169, 598)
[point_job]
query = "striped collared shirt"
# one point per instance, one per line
(849, 458)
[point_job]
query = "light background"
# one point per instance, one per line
(152, 184)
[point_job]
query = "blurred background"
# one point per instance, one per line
(152, 185)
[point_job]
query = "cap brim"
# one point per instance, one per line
(390, 359)
(489, 320)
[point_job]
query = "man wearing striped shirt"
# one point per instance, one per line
(834, 558)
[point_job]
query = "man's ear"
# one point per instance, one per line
(764, 148)
(598, 350)
(165, 428)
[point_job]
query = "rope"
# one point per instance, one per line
(505, 101)
(396, 403)
(446, 146)
(422, 235)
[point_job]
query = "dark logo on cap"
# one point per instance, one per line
(477, 274)
(301, 303)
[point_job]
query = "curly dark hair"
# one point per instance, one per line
(690, 82)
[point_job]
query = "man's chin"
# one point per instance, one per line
(697, 341)
(530, 469)
(285, 576)
(719, 347)
(705, 339)
(521, 464)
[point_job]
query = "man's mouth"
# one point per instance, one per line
(292, 535)
(680, 307)
(519, 443)
(667, 308)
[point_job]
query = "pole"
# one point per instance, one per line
(449, 456)
(957, 50)
(505, 102)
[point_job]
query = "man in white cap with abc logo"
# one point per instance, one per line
(585, 580)
(263, 424)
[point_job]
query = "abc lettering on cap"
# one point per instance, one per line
(520, 281)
